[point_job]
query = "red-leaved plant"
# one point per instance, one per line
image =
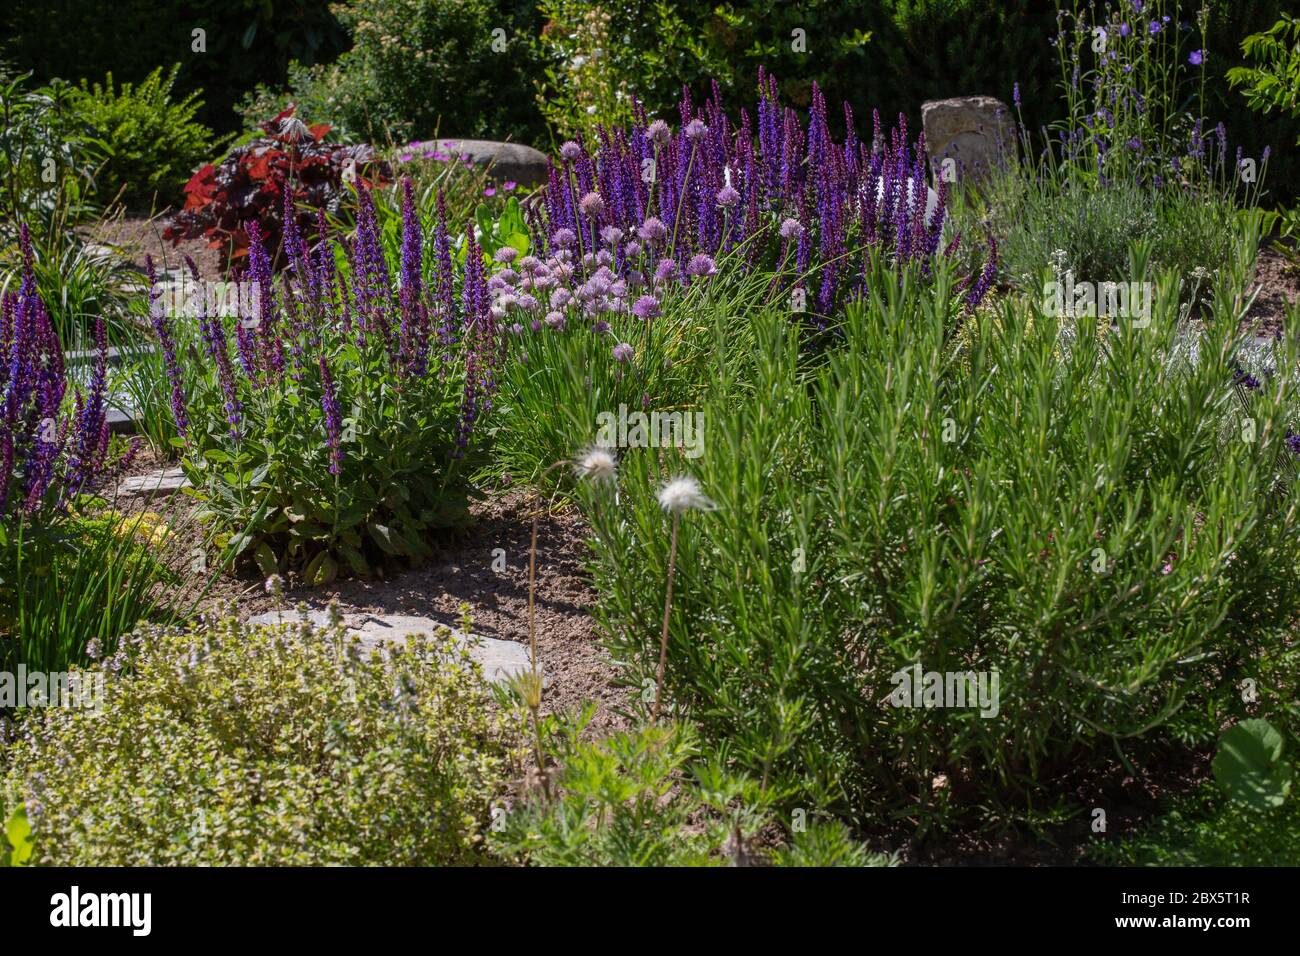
(250, 184)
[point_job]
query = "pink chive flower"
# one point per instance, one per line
(646, 307)
(665, 271)
(701, 265)
(623, 352)
(652, 230)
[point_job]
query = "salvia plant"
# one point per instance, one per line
(72, 569)
(50, 450)
(335, 421)
(647, 204)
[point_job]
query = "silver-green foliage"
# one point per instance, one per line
(235, 745)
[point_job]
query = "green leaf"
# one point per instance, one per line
(356, 560)
(266, 560)
(309, 531)
(386, 539)
(322, 569)
(1248, 765)
(19, 832)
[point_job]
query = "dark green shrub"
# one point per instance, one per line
(47, 167)
(244, 42)
(892, 55)
(417, 67)
(153, 142)
(227, 745)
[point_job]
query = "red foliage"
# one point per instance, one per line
(249, 184)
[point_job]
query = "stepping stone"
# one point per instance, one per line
(121, 423)
(500, 660)
(165, 481)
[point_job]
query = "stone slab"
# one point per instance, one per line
(976, 132)
(500, 660)
(164, 481)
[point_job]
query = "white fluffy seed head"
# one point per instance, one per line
(597, 464)
(683, 494)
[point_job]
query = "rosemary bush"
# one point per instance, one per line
(1088, 510)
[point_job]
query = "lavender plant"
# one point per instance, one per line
(334, 422)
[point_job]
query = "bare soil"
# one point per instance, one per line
(138, 237)
(1279, 287)
(576, 666)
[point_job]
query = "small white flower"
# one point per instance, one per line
(294, 129)
(596, 464)
(683, 494)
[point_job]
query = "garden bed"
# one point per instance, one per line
(821, 491)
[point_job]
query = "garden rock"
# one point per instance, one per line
(508, 161)
(976, 132)
(163, 482)
(500, 660)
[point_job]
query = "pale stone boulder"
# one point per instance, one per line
(508, 161)
(978, 133)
